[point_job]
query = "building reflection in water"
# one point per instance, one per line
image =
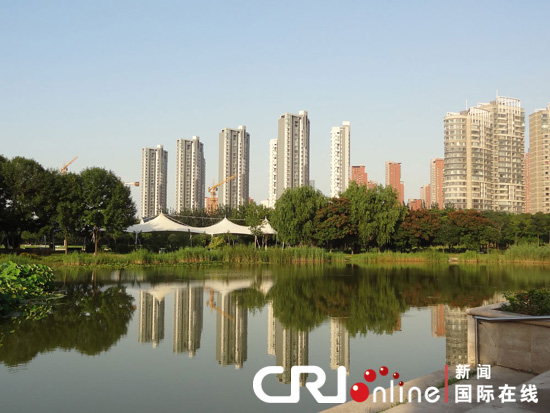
(231, 330)
(452, 323)
(151, 318)
(188, 313)
(289, 346)
(339, 344)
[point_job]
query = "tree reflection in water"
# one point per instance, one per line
(89, 320)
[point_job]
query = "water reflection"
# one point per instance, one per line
(353, 300)
(188, 309)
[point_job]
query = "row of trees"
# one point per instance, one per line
(44, 202)
(366, 219)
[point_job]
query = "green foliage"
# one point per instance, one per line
(87, 319)
(376, 212)
(294, 215)
(534, 302)
(20, 283)
(27, 197)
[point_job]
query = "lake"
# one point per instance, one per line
(191, 339)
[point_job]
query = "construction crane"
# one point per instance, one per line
(64, 167)
(210, 303)
(213, 189)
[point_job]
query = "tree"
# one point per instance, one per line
(377, 213)
(295, 212)
(333, 226)
(418, 229)
(29, 200)
(107, 202)
(69, 217)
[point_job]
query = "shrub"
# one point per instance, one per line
(532, 302)
(23, 282)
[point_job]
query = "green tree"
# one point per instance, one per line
(294, 214)
(70, 206)
(107, 203)
(29, 200)
(376, 212)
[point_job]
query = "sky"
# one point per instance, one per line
(102, 79)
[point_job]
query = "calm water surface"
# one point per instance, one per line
(191, 339)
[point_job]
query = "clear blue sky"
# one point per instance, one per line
(102, 79)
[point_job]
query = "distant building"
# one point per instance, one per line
(415, 204)
(339, 159)
(292, 152)
(154, 172)
(234, 159)
(484, 151)
(190, 174)
(358, 175)
(372, 184)
(393, 179)
(539, 158)
(272, 172)
(436, 183)
(527, 177)
(425, 196)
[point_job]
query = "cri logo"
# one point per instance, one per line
(359, 391)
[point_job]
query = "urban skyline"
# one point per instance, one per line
(484, 153)
(116, 91)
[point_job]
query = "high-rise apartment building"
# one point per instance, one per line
(527, 178)
(272, 172)
(393, 179)
(425, 196)
(436, 183)
(508, 119)
(234, 159)
(339, 158)
(539, 160)
(154, 164)
(358, 175)
(484, 150)
(190, 174)
(292, 152)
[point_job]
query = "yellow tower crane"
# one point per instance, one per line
(213, 206)
(64, 167)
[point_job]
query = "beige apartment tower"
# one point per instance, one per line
(339, 159)
(154, 171)
(190, 174)
(292, 152)
(234, 160)
(484, 150)
(539, 161)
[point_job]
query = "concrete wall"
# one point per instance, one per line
(517, 345)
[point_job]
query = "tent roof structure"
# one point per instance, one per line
(225, 226)
(162, 223)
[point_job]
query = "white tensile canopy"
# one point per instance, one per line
(225, 226)
(162, 223)
(266, 228)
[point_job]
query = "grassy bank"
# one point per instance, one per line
(520, 254)
(196, 255)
